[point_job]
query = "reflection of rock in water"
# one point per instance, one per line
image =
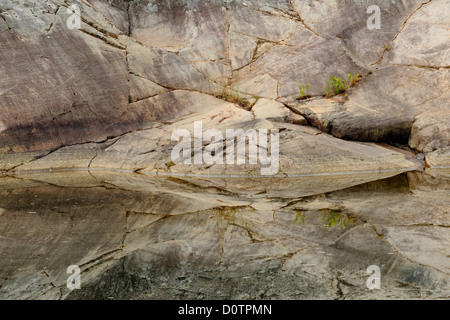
(143, 237)
(137, 71)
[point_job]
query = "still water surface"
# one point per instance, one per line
(141, 237)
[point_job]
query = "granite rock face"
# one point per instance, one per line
(88, 177)
(135, 70)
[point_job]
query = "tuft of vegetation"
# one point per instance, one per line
(387, 47)
(229, 213)
(304, 93)
(232, 96)
(300, 215)
(332, 218)
(336, 85)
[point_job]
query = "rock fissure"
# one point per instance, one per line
(398, 33)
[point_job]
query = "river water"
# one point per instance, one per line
(146, 237)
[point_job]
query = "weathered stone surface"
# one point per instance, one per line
(386, 105)
(165, 68)
(115, 11)
(105, 79)
(303, 151)
(87, 117)
(275, 111)
(393, 103)
(424, 40)
(430, 130)
(141, 88)
(439, 158)
(347, 20)
(60, 86)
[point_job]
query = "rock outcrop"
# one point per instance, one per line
(88, 176)
(135, 70)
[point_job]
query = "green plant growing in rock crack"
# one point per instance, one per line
(233, 96)
(300, 215)
(304, 93)
(332, 218)
(336, 85)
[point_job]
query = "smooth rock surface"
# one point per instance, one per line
(114, 75)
